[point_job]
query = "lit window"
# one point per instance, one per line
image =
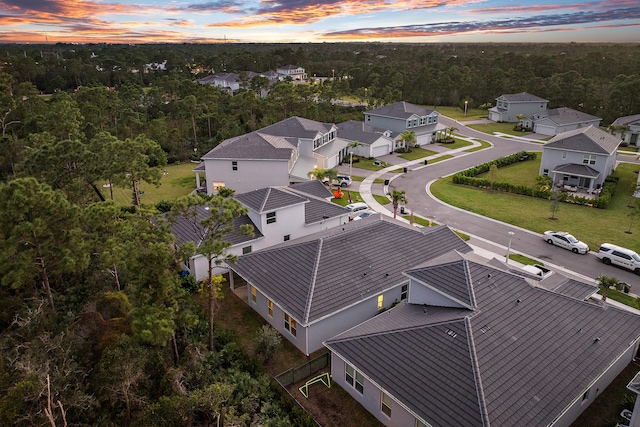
(271, 217)
(386, 403)
(246, 250)
(380, 301)
(234, 166)
(217, 186)
(290, 324)
(354, 378)
(254, 294)
(270, 305)
(405, 289)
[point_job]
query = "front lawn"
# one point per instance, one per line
(457, 113)
(459, 143)
(493, 127)
(417, 153)
(369, 164)
(179, 180)
(520, 173)
(593, 226)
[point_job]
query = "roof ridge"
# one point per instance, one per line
(407, 328)
(314, 276)
(264, 200)
(475, 364)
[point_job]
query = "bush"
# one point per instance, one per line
(267, 341)
(163, 206)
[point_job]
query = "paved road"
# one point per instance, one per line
(488, 233)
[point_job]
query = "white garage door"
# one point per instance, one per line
(545, 130)
(379, 150)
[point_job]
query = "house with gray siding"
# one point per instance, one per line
(627, 128)
(580, 158)
(509, 106)
(276, 155)
(475, 345)
(315, 287)
(557, 120)
(277, 214)
(402, 116)
(373, 141)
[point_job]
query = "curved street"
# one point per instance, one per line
(486, 233)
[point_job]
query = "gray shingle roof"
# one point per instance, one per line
(565, 116)
(627, 120)
(312, 188)
(269, 199)
(590, 139)
(522, 97)
(400, 110)
(576, 169)
(186, 230)
(520, 358)
(297, 127)
(450, 278)
(359, 131)
(254, 145)
(310, 279)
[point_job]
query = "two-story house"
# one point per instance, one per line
(510, 106)
(293, 71)
(317, 286)
(475, 345)
(558, 120)
(372, 141)
(581, 158)
(403, 116)
(627, 128)
(276, 155)
(277, 214)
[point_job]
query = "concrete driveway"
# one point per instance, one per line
(486, 234)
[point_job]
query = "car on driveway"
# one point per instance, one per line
(566, 241)
(364, 214)
(340, 180)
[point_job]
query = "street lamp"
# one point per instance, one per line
(511, 234)
(333, 74)
(465, 107)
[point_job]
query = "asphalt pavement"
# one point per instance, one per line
(487, 234)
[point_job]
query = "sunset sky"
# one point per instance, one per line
(287, 21)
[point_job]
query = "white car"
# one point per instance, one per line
(566, 241)
(364, 214)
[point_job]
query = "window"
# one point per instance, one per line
(354, 378)
(254, 294)
(589, 159)
(271, 217)
(564, 154)
(545, 172)
(217, 186)
(403, 294)
(270, 306)
(290, 324)
(380, 301)
(234, 166)
(386, 403)
(287, 237)
(246, 250)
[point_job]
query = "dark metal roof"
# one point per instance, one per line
(520, 358)
(577, 169)
(320, 274)
(590, 139)
(521, 97)
(400, 110)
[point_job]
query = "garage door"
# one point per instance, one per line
(545, 130)
(380, 150)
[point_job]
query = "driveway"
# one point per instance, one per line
(486, 233)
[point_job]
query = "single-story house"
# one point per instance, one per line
(315, 287)
(373, 141)
(509, 106)
(580, 158)
(277, 155)
(277, 214)
(558, 120)
(474, 345)
(627, 128)
(402, 116)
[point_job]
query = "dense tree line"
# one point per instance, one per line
(97, 326)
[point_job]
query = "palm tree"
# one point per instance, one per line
(452, 129)
(604, 283)
(352, 146)
(408, 137)
(326, 174)
(397, 196)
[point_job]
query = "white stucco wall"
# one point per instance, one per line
(552, 158)
(251, 174)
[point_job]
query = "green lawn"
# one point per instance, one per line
(179, 181)
(383, 200)
(593, 226)
(521, 173)
(493, 127)
(361, 178)
(457, 113)
(524, 260)
(483, 145)
(458, 144)
(368, 164)
(440, 158)
(355, 197)
(417, 153)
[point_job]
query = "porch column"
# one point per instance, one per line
(197, 179)
(231, 284)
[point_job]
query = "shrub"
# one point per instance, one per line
(267, 341)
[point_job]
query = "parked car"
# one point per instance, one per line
(364, 214)
(566, 241)
(622, 257)
(356, 208)
(340, 180)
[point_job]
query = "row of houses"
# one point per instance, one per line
(232, 82)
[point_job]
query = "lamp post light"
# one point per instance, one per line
(511, 234)
(465, 107)
(333, 74)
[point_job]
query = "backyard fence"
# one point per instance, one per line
(294, 375)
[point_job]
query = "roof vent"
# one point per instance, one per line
(424, 308)
(451, 333)
(596, 340)
(518, 301)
